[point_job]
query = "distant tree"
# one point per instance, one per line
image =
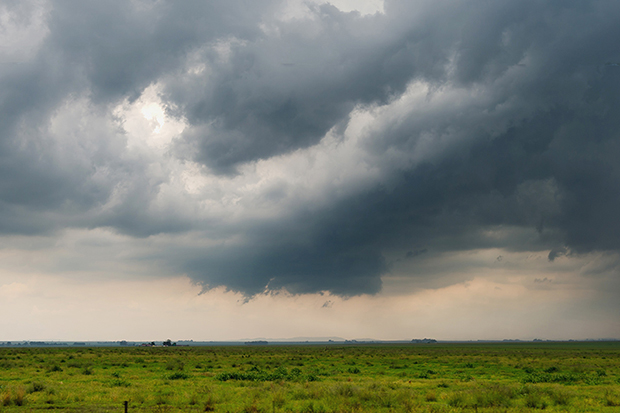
(168, 343)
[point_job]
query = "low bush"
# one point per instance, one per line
(35, 386)
(175, 364)
(120, 383)
(612, 399)
(256, 374)
(179, 375)
(54, 368)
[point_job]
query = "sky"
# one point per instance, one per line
(393, 169)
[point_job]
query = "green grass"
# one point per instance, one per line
(514, 377)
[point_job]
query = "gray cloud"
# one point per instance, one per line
(517, 129)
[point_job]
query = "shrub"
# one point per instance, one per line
(534, 397)
(312, 377)
(611, 399)
(278, 399)
(255, 374)
(6, 364)
(252, 408)
(458, 399)
(175, 364)
(35, 386)
(560, 397)
(553, 378)
(346, 390)
(313, 407)
(179, 375)
(161, 399)
(535, 401)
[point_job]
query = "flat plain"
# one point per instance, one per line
(460, 377)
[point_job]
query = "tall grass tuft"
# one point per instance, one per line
(495, 395)
(612, 399)
(16, 398)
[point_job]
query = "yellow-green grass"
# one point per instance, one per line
(511, 377)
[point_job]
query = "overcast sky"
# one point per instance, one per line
(397, 169)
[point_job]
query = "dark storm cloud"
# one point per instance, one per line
(549, 165)
(122, 47)
(520, 128)
(286, 90)
(107, 51)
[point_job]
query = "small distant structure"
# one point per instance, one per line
(256, 343)
(79, 343)
(424, 341)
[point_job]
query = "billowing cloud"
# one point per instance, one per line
(301, 146)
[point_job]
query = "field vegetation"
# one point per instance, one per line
(514, 377)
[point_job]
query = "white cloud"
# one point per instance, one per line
(299, 9)
(22, 30)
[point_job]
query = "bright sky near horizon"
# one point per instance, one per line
(364, 169)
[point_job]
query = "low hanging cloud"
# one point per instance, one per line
(312, 146)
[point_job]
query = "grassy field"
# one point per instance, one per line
(515, 377)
